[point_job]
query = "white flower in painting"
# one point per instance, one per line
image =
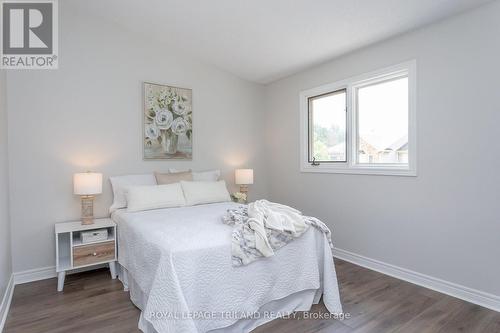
(179, 108)
(152, 132)
(164, 119)
(179, 126)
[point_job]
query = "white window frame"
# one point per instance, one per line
(408, 69)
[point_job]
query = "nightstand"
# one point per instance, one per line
(72, 253)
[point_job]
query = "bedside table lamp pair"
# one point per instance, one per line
(89, 184)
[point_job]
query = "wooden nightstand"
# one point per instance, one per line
(71, 253)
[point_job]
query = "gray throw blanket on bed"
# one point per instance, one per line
(243, 247)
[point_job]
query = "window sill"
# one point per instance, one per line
(360, 170)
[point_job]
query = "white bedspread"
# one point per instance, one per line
(181, 260)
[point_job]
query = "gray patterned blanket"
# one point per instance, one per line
(243, 249)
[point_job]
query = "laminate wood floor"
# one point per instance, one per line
(92, 302)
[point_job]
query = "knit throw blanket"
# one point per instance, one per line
(253, 239)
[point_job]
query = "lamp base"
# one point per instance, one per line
(244, 189)
(87, 210)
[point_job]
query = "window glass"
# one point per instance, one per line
(383, 122)
(327, 127)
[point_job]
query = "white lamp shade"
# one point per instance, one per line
(88, 183)
(243, 176)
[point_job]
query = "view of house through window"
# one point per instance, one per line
(382, 111)
(327, 127)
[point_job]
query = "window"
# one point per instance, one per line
(327, 127)
(364, 125)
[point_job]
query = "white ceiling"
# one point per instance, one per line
(264, 40)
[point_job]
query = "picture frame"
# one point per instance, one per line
(167, 122)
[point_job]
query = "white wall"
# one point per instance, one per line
(87, 115)
(445, 222)
(5, 253)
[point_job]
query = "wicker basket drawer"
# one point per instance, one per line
(93, 254)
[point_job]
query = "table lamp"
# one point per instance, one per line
(243, 177)
(87, 185)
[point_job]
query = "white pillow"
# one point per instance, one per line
(120, 185)
(154, 197)
(204, 192)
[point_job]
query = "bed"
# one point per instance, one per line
(176, 262)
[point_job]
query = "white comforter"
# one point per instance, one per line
(180, 258)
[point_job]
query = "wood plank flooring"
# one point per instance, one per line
(92, 302)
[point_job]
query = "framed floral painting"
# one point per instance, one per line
(168, 122)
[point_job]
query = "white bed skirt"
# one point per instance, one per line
(299, 301)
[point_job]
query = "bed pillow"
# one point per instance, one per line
(154, 197)
(170, 178)
(120, 185)
(210, 175)
(205, 192)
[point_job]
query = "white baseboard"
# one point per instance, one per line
(465, 293)
(43, 273)
(35, 275)
(5, 305)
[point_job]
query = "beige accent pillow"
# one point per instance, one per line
(170, 178)
(209, 175)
